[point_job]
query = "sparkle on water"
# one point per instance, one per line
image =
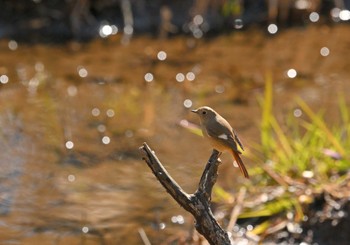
(107, 30)
(314, 17)
(219, 89)
(188, 103)
(178, 219)
(129, 133)
(4, 79)
(101, 128)
(180, 77)
(39, 67)
(324, 51)
(71, 178)
(302, 4)
(190, 76)
(13, 45)
(335, 14)
(292, 73)
(85, 229)
(95, 112)
(340, 14)
(110, 113)
(72, 90)
(106, 140)
(238, 24)
(184, 123)
(149, 77)
(69, 144)
(272, 28)
(82, 71)
(162, 55)
(344, 15)
(297, 113)
(198, 20)
(162, 226)
(128, 30)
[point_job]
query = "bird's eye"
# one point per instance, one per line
(204, 112)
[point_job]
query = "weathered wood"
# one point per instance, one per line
(198, 204)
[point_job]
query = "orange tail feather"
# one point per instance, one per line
(240, 164)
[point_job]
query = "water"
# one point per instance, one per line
(73, 117)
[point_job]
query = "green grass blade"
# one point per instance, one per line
(266, 116)
(274, 207)
(281, 136)
(321, 124)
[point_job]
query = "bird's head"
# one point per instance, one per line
(205, 113)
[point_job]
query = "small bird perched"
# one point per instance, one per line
(221, 135)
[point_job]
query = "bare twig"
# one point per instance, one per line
(198, 204)
(143, 236)
(237, 208)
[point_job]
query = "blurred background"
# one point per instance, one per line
(84, 83)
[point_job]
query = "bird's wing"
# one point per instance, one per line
(238, 140)
(222, 131)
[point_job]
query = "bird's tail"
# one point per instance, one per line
(240, 163)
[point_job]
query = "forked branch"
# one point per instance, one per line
(198, 204)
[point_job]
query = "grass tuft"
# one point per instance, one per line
(302, 158)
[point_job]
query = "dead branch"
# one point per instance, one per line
(198, 204)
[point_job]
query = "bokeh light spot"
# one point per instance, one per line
(95, 112)
(198, 20)
(302, 4)
(197, 33)
(4, 79)
(105, 31)
(324, 51)
(190, 76)
(314, 17)
(128, 30)
(71, 178)
(101, 128)
(188, 103)
(39, 67)
(85, 229)
(162, 226)
(272, 29)
(219, 89)
(250, 227)
(149, 77)
(178, 219)
(162, 55)
(184, 123)
(238, 24)
(335, 14)
(297, 113)
(110, 113)
(129, 133)
(106, 140)
(72, 90)
(82, 71)
(180, 77)
(13, 45)
(69, 145)
(344, 15)
(292, 73)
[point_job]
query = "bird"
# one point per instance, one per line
(221, 135)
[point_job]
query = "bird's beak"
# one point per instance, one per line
(194, 111)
